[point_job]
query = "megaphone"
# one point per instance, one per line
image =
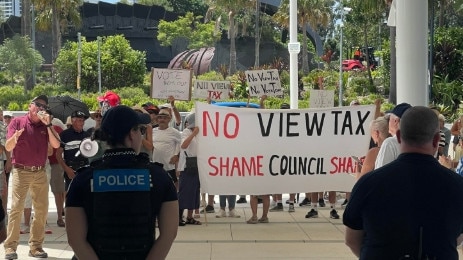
(88, 148)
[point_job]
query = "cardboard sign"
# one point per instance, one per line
(215, 90)
(171, 82)
(271, 151)
(264, 82)
(321, 98)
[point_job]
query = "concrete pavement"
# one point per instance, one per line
(287, 236)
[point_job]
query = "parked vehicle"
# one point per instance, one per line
(361, 63)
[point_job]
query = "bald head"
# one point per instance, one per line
(419, 126)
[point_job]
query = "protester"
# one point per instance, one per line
(390, 148)
(57, 177)
(166, 142)
(153, 111)
(189, 186)
(147, 142)
(28, 137)
(379, 229)
(67, 155)
(107, 221)
(379, 130)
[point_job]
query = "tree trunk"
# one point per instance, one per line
(257, 36)
(56, 35)
(367, 51)
(231, 18)
(393, 72)
(305, 55)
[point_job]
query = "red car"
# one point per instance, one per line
(352, 65)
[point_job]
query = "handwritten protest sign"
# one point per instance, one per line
(216, 90)
(321, 98)
(267, 151)
(171, 82)
(264, 82)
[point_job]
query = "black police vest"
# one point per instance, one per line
(122, 225)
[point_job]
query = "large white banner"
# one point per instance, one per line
(268, 151)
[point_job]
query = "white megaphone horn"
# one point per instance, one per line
(88, 148)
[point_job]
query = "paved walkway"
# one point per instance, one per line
(287, 236)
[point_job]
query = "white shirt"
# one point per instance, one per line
(166, 144)
(191, 150)
(389, 151)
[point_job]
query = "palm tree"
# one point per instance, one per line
(315, 13)
(232, 8)
(57, 15)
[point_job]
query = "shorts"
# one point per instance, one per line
(57, 178)
(173, 175)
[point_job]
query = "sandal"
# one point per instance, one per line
(252, 220)
(263, 220)
(192, 221)
(60, 223)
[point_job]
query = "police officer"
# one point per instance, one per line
(112, 205)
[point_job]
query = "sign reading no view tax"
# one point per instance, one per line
(263, 82)
(271, 151)
(171, 82)
(215, 90)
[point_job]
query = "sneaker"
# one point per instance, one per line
(221, 214)
(38, 253)
(263, 220)
(291, 208)
(345, 203)
(305, 202)
(321, 203)
(289, 202)
(241, 201)
(334, 214)
(312, 214)
(209, 209)
(10, 253)
(232, 214)
(278, 207)
(25, 230)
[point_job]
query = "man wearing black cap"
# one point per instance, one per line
(70, 144)
(112, 206)
(390, 148)
(28, 138)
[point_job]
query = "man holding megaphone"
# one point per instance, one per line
(70, 144)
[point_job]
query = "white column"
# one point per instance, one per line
(294, 48)
(412, 52)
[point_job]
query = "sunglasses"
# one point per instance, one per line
(153, 112)
(40, 105)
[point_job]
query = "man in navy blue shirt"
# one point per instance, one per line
(378, 227)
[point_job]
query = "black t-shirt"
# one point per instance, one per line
(392, 205)
(70, 142)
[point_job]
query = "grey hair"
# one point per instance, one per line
(380, 124)
(418, 126)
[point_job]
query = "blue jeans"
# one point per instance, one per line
(231, 201)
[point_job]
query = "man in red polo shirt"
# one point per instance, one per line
(28, 137)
